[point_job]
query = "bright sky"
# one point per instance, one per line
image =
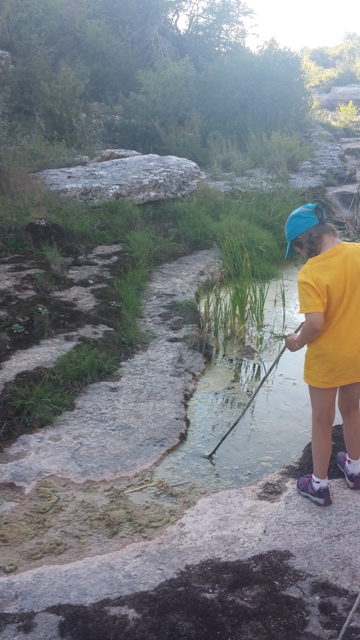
(305, 23)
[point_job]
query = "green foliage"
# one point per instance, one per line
(91, 68)
(162, 108)
(246, 92)
(224, 155)
(192, 224)
(184, 140)
(325, 67)
(218, 26)
(129, 289)
(279, 153)
(188, 111)
(108, 223)
(147, 248)
(317, 76)
(34, 153)
(42, 402)
(54, 258)
(4, 122)
(65, 122)
(243, 243)
(85, 365)
(348, 115)
(70, 55)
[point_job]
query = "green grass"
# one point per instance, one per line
(40, 403)
(37, 403)
(128, 291)
(86, 364)
(278, 153)
(248, 229)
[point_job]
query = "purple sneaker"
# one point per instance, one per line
(321, 497)
(353, 482)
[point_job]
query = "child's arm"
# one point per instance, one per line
(310, 330)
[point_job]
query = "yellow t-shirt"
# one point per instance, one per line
(330, 283)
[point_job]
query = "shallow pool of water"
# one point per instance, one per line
(276, 426)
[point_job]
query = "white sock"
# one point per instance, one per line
(352, 466)
(319, 483)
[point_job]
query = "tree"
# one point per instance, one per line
(218, 22)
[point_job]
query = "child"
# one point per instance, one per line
(329, 296)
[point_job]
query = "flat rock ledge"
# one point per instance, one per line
(121, 427)
(140, 179)
(229, 526)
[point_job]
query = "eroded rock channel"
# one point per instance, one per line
(70, 490)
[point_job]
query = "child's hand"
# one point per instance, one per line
(291, 342)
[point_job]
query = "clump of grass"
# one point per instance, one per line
(235, 307)
(54, 258)
(38, 404)
(224, 154)
(85, 365)
(234, 311)
(278, 153)
(257, 300)
(129, 290)
(147, 248)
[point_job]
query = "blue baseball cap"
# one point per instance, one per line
(301, 220)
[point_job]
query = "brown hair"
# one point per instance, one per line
(310, 240)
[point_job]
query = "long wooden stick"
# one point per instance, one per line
(349, 618)
(276, 361)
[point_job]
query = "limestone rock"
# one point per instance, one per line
(6, 59)
(140, 179)
(328, 164)
(114, 154)
(345, 201)
(340, 95)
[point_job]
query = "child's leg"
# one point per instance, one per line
(348, 401)
(323, 414)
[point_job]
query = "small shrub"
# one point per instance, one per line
(347, 117)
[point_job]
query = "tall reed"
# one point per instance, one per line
(235, 307)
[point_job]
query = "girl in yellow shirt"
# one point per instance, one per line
(329, 295)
